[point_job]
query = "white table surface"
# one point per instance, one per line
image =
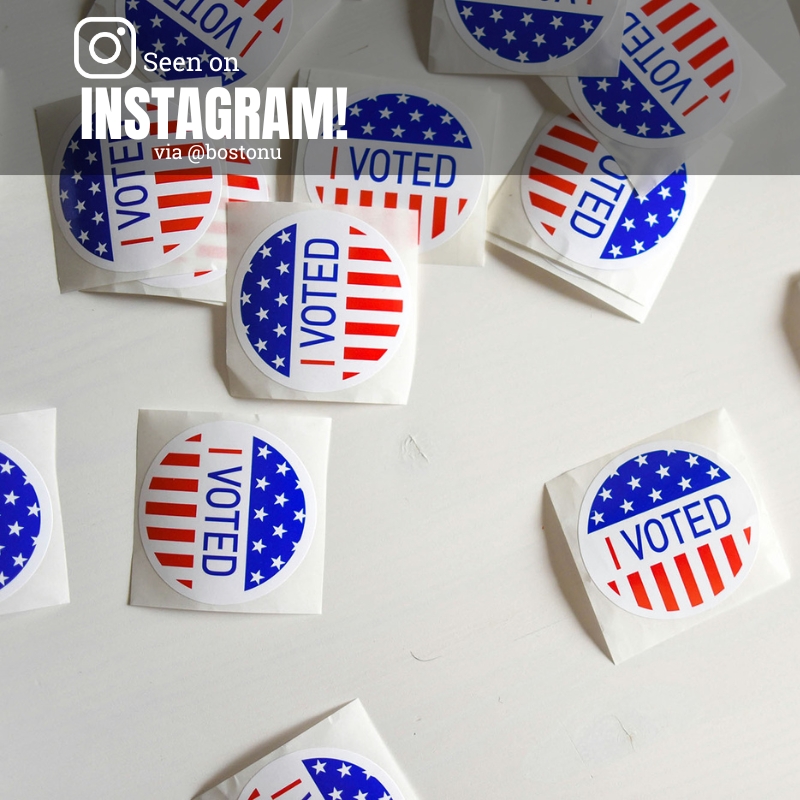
(459, 623)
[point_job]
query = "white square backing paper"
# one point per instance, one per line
(33, 434)
(308, 440)
(626, 633)
(347, 739)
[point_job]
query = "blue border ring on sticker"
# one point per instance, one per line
(235, 40)
(580, 203)
(227, 513)
(26, 520)
(404, 149)
(321, 773)
(679, 77)
(128, 206)
(668, 530)
(320, 301)
(525, 36)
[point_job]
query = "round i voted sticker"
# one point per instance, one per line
(668, 529)
(129, 206)
(403, 150)
(226, 513)
(521, 35)
(26, 520)
(321, 773)
(230, 39)
(320, 301)
(580, 203)
(679, 76)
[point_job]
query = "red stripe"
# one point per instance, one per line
(366, 198)
(695, 105)
(175, 560)
(613, 554)
(224, 450)
(720, 74)
(373, 279)
(732, 553)
(185, 199)
(137, 241)
(553, 181)
(562, 159)
(172, 126)
(578, 139)
(662, 581)
(653, 6)
(317, 363)
(256, 794)
(286, 788)
(171, 509)
(265, 9)
(340, 198)
(181, 460)
(174, 175)
(242, 3)
(368, 254)
(439, 216)
(177, 225)
(370, 329)
(170, 534)
(639, 592)
(390, 201)
(714, 578)
(243, 181)
(689, 583)
(373, 304)
(174, 484)
(698, 32)
(252, 41)
(704, 56)
(334, 158)
(198, 437)
(681, 15)
(546, 204)
(363, 354)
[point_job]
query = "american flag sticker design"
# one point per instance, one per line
(226, 513)
(580, 203)
(404, 149)
(251, 31)
(123, 206)
(26, 520)
(321, 774)
(320, 301)
(523, 36)
(679, 76)
(668, 530)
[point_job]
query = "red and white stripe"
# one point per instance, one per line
(699, 39)
(269, 12)
(687, 581)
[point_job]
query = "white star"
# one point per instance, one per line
(260, 345)
(402, 98)
(597, 517)
(466, 12)
(13, 530)
(278, 362)
(245, 298)
(256, 577)
(522, 57)
(655, 495)
(336, 794)
(605, 494)
(344, 770)
(3, 579)
(643, 129)
(261, 483)
(262, 314)
(205, 56)
(368, 129)
(285, 237)
(158, 46)
(509, 36)
(599, 108)
(283, 468)
(265, 251)
(638, 247)
(91, 158)
(180, 38)
(264, 451)
(634, 483)
(713, 473)
(94, 188)
(628, 224)
(281, 299)
(497, 15)
(73, 145)
(385, 113)
(156, 21)
(259, 514)
(569, 43)
(63, 195)
(627, 506)
(416, 116)
(616, 251)
(264, 283)
(692, 461)
(627, 84)
(652, 219)
(100, 249)
(259, 545)
(398, 131)
(556, 22)
(587, 25)
(641, 460)
(667, 129)
(12, 498)
(280, 330)
(623, 107)
(685, 484)
(76, 176)
(33, 511)
(133, 4)
(360, 796)
(527, 19)
(280, 500)
(318, 767)
(279, 530)
(539, 39)
(603, 85)
(356, 111)
(429, 134)
(277, 563)
(665, 192)
(6, 468)
(19, 561)
(283, 268)
(98, 217)
(299, 515)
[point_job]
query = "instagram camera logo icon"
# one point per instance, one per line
(123, 28)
